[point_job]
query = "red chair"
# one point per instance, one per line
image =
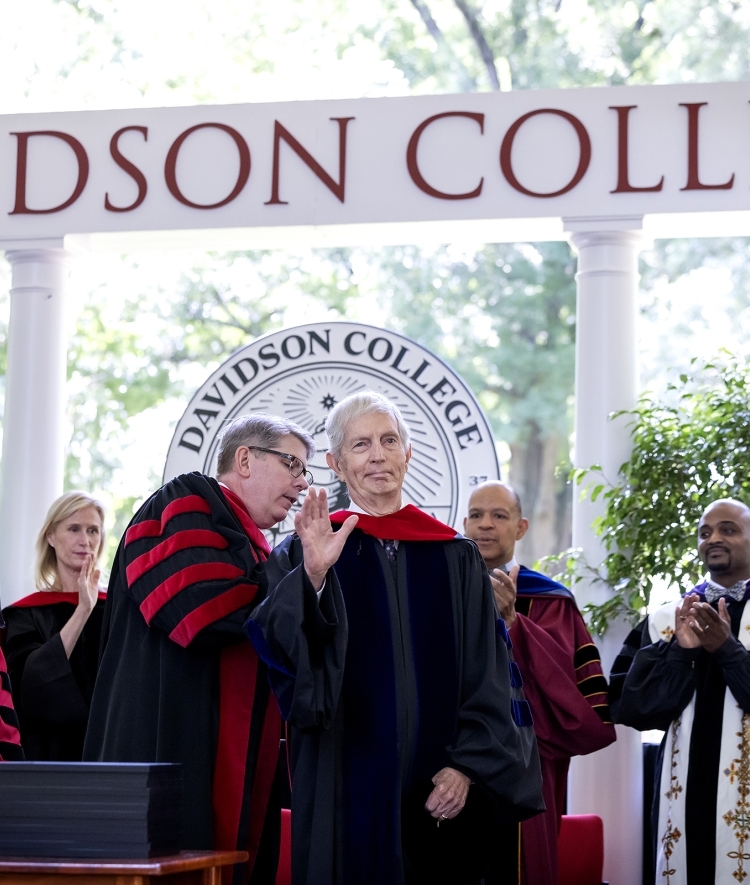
(581, 850)
(284, 871)
(580, 846)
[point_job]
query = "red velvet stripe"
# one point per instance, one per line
(408, 524)
(238, 673)
(6, 700)
(9, 734)
(49, 597)
(213, 610)
(191, 574)
(179, 541)
(265, 771)
(153, 528)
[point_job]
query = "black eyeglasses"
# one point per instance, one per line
(296, 467)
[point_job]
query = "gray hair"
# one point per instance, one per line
(363, 403)
(257, 430)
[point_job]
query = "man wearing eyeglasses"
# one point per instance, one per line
(178, 682)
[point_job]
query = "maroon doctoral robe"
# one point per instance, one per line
(567, 692)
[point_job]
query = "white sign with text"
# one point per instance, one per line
(611, 152)
(300, 373)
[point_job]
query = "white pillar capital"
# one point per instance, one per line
(582, 238)
(33, 422)
(37, 268)
(607, 251)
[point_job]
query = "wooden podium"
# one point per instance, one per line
(185, 868)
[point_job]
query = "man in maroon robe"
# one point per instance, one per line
(178, 681)
(559, 663)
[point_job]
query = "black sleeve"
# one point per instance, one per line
(656, 686)
(188, 566)
(622, 664)
(45, 687)
(10, 736)
(302, 639)
(734, 660)
(495, 744)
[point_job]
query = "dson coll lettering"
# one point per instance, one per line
(302, 372)
(577, 153)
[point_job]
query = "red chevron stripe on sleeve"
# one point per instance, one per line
(191, 574)
(5, 699)
(213, 610)
(179, 541)
(9, 734)
(153, 528)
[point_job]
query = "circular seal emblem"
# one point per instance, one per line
(302, 372)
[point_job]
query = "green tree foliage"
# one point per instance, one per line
(132, 355)
(688, 451)
(535, 44)
(503, 316)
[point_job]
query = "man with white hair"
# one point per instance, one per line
(178, 682)
(385, 656)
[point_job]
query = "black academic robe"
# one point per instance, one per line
(52, 693)
(650, 685)
(10, 734)
(396, 672)
(178, 681)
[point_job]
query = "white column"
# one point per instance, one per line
(608, 783)
(33, 421)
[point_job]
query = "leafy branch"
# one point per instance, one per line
(687, 452)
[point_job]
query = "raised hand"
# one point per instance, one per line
(449, 796)
(88, 583)
(88, 593)
(711, 628)
(685, 636)
(504, 588)
(321, 546)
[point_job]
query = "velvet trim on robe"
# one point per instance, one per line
(651, 684)
(567, 693)
(395, 673)
(10, 735)
(531, 583)
(178, 681)
(408, 524)
(52, 692)
(51, 597)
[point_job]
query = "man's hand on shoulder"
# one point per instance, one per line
(504, 588)
(321, 546)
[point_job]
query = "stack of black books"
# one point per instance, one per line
(90, 809)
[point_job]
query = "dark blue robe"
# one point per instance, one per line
(397, 672)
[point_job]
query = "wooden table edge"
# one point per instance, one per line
(149, 866)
